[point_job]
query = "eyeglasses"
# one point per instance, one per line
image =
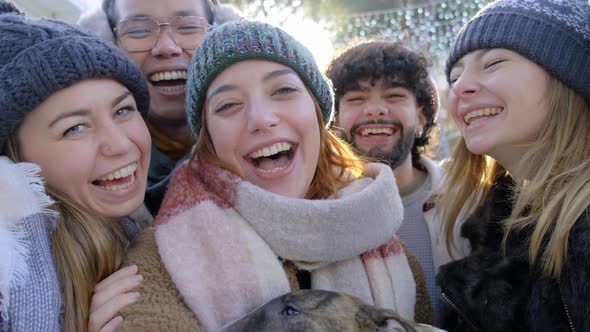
(139, 34)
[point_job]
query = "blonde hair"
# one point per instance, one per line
(556, 191)
(86, 248)
(338, 164)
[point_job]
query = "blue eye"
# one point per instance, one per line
(73, 130)
(122, 112)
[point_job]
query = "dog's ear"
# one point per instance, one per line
(372, 318)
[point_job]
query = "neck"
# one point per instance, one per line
(511, 159)
(405, 173)
(176, 130)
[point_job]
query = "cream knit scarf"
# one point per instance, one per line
(220, 237)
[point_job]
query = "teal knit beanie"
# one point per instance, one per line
(237, 41)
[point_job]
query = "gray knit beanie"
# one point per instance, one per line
(40, 57)
(553, 33)
(242, 40)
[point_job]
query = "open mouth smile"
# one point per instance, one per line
(274, 158)
(481, 114)
(169, 81)
(120, 179)
(376, 131)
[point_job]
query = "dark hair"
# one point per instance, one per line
(393, 62)
(108, 6)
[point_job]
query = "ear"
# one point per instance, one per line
(421, 119)
(371, 317)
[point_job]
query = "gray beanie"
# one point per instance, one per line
(237, 41)
(40, 57)
(553, 33)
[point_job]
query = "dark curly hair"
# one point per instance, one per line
(108, 6)
(392, 62)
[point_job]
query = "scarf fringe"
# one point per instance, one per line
(22, 193)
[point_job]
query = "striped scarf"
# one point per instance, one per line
(220, 237)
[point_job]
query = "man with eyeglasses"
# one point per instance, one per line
(160, 36)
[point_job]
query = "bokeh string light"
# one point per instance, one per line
(430, 27)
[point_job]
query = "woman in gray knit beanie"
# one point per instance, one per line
(270, 201)
(519, 77)
(74, 157)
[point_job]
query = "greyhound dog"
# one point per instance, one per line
(319, 311)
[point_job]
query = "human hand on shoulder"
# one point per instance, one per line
(111, 295)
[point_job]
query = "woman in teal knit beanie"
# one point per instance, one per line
(271, 201)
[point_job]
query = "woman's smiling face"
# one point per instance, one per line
(263, 122)
(497, 100)
(92, 145)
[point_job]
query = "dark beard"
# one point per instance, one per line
(394, 157)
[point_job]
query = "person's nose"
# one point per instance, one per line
(166, 45)
(375, 107)
(262, 116)
(465, 84)
(114, 140)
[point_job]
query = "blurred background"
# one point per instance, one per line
(326, 26)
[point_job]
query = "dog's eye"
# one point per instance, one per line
(290, 311)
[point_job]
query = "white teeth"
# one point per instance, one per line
(120, 186)
(274, 170)
(481, 112)
(271, 150)
(168, 75)
(120, 173)
(367, 131)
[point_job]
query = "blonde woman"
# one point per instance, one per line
(75, 154)
(520, 92)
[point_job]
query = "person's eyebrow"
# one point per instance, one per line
(85, 112)
(220, 89)
(480, 54)
(177, 13)
(277, 73)
(119, 99)
(82, 112)
(358, 86)
(395, 85)
(186, 13)
(269, 76)
(138, 15)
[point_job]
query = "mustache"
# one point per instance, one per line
(395, 123)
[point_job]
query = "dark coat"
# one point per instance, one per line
(487, 291)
